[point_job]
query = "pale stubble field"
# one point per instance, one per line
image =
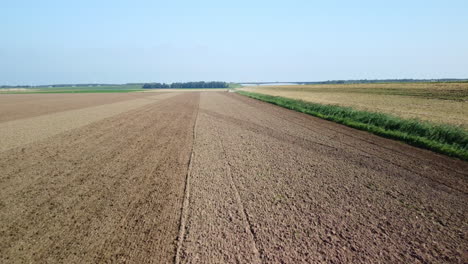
(445, 103)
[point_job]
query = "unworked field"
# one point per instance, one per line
(436, 102)
(218, 177)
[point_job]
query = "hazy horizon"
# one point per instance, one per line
(52, 42)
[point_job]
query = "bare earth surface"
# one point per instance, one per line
(40, 104)
(108, 191)
(19, 132)
(216, 177)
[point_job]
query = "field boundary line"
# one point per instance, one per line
(185, 203)
(245, 219)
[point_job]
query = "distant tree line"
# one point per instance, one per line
(226, 85)
(15, 86)
(186, 85)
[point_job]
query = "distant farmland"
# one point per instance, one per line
(439, 102)
(75, 89)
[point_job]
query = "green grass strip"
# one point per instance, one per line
(444, 139)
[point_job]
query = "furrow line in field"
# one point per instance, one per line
(185, 205)
(245, 219)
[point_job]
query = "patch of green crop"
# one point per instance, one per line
(444, 139)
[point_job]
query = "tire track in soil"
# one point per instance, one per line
(185, 205)
(316, 204)
(245, 218)
(217, 227)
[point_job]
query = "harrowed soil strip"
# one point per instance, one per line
(315, 191)
(217, 229)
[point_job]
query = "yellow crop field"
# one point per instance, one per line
(436, 102)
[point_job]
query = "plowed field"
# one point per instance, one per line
(215, 177)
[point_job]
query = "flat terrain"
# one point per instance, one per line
(73, 89)
(195, 177)
(436, 102)
(18, 106)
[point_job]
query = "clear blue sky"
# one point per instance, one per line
(86, 41)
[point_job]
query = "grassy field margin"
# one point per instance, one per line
(444, 139)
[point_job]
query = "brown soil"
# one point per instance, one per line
(23, 131)
(275, 186)
(17, 106)
(107, 192)
(218, 177)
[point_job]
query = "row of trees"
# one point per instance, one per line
(186, 85)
